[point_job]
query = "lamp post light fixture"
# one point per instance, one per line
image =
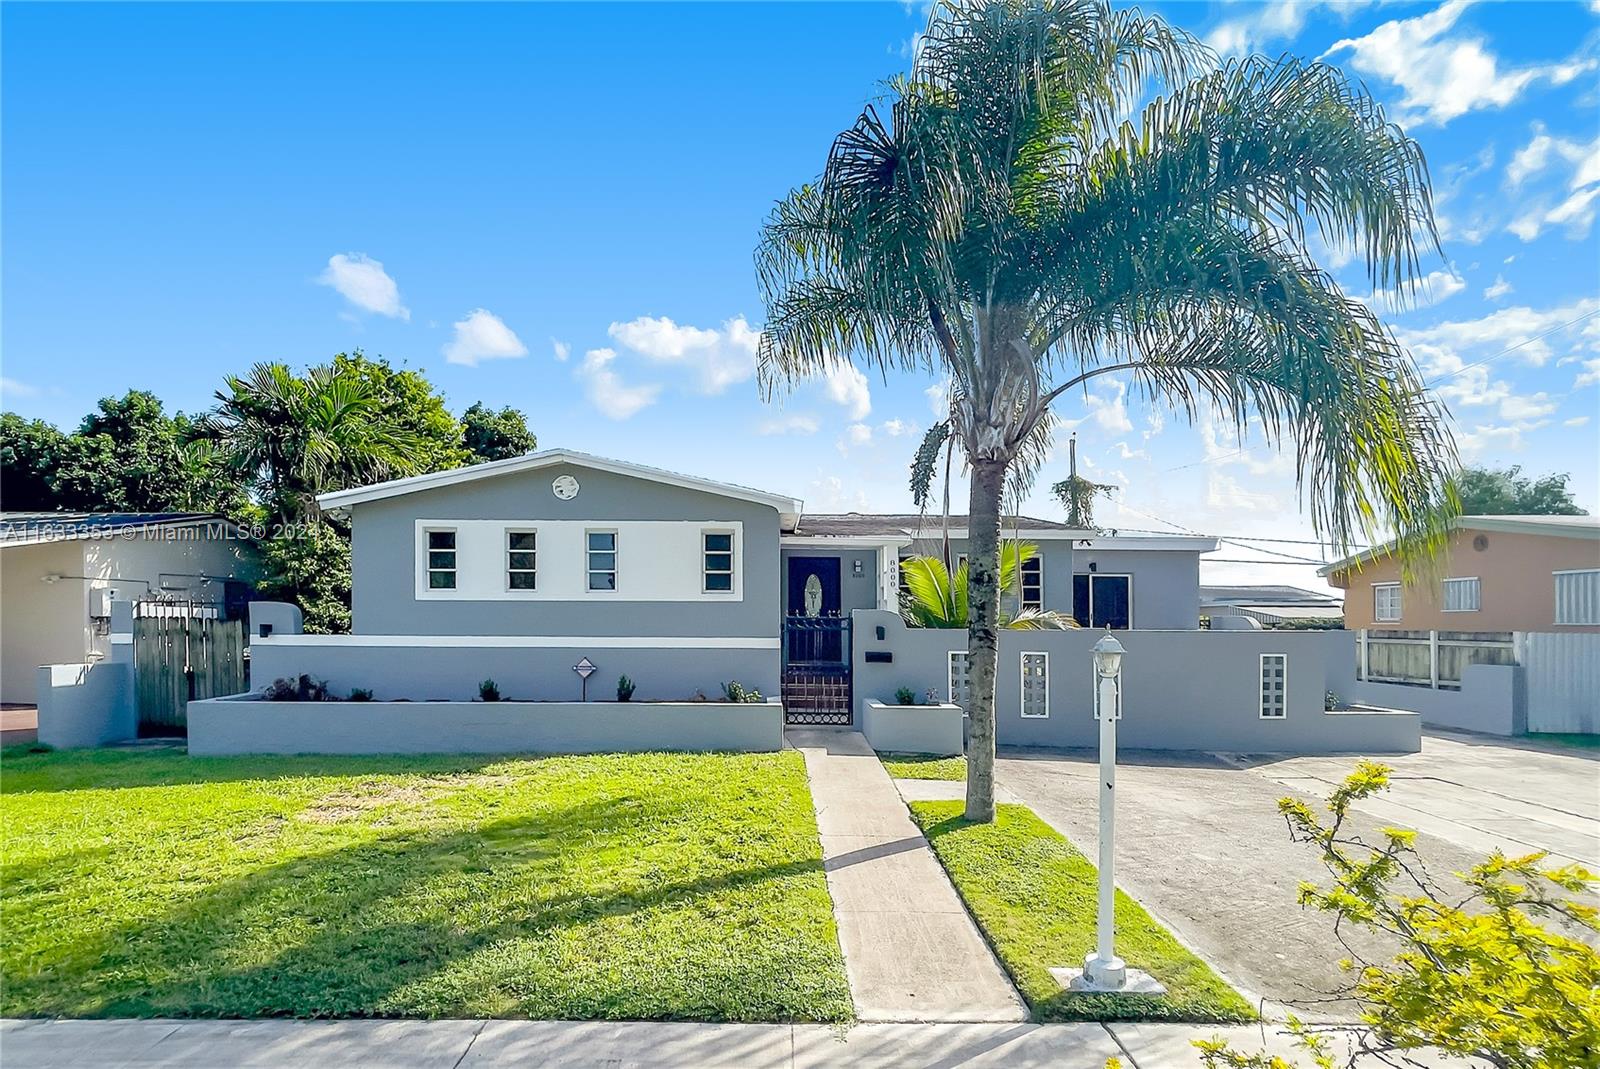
(1102, 969)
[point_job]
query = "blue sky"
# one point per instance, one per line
(555, 206)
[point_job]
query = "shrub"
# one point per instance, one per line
(489, 690)
(279, 690)
(905, 696)
(1330, 702)
(360, 694)
(734, 691)
(624, 689)
(311, 689)
(933, 697)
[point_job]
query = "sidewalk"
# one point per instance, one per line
(911, 950)
(42, 1044)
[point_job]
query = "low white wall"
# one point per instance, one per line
(241, 724)
(924, 729)
(86, 704)
(1489, 700)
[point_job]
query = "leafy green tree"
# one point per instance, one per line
(933, 597)
(491, 435)
(309, 564)
(30, 451)
(406, 402)
(1002, 222)
(125, 457)
(293, 437)
(1507, 492)
(1480, 976)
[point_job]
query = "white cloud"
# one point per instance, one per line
(859, 434)
(1129, 453)
(1589, 376)
(561, 349)
(1442, 76)
(1433, 288)
(938, 396)
(17, 389)
(1439, 348)
(719, 358)
(1526, 407)
(363, 282)
(1575, 421)
(1224, 494)
(1105, 408)
(828, 494)
(606, 390)
(1499, 288)
(846, 385)
(1544, 150)
(482, 336)
(1488, 437)
(1267, 22)
(894, 428)
(797, 424)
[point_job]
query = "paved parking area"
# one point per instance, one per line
(1201, 844)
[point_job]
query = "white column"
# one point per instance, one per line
(1433, 659)
(1103, 969)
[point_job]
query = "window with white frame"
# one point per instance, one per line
(1035, 685)
(1461, 595)
(441, 559)
(1386, 601)
(1274, 685)
(522, 549)
(602, 547)
(718, 561)
(1578, 597)
(960, 678)
(1033, 583)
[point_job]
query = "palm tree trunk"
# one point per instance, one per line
(983, 594)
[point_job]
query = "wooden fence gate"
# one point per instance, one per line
(183, 651)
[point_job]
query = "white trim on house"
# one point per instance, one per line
(1399, 603)
(1072, 609)
(1556, 526)
(342, 499)
(631, 642)
(1022, 685)
(656, 560)
(950, 675)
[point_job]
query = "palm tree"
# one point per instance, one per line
(1017, 224)
(292, 437)
(936, 598)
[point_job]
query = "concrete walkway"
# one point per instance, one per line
(36, 1044)
(911, 950)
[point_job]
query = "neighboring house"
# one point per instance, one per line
(1498, 573)
(60, 570)
(1269, 604)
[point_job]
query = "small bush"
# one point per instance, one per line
(933, 697)
(489, 690)
(360, 694)
(734, 691)
(624, 689)
(1330, 702)
(905, 696)
(311, 689)
(280, 690)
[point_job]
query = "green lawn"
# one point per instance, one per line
(921, 766)
(1034, 896)
(644, 886)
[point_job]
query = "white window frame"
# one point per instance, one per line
(1261, 697)
(1038, 563)
(1476, 588)
(1555, 579)
(1399, 603)
(733, 563)
(1022, 688)
(950, 676)
(425, 563)
(615, 571)
(508, 571)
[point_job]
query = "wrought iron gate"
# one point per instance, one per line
(816, 670)
(183, 650)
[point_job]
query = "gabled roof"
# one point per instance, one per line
(788, 507)
(31, 528)
(1587, 527)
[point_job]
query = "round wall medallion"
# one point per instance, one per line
(1480, 543)
(565, 487)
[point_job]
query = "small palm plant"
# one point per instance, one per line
(935, 598)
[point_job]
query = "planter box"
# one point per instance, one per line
(923, 729)
(242, 723)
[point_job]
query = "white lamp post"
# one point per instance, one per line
(1102, 969)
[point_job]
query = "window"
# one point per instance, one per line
(441, 560)
(1033, 583)
(602, 560)
(1035, 685)
(1102, 600)
(1578, 597)
(521, 560)
(1274, 684)
(960, 678)
(1461, 595)
(718, 563)
(1386, 601)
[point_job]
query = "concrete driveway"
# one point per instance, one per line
(1201, 844)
